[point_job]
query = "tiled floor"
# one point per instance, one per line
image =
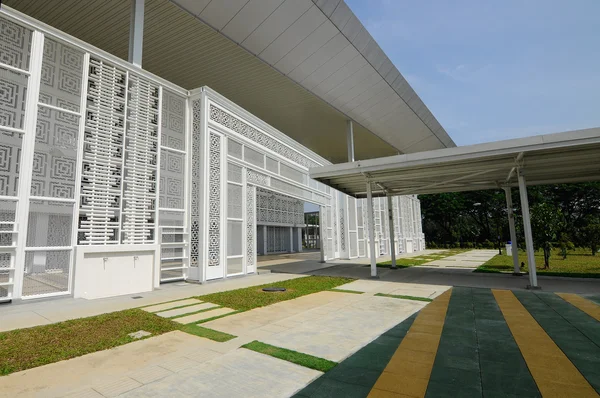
(493, 343)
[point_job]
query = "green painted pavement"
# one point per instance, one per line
(572, 330)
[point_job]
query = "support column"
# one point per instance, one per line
(322, 233)
(299, 239)
(527, 228)
(291, 240)
(350, 140)
(136, 32)
(371, 231)
(513, 232)
(391, 225)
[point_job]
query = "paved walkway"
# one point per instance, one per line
(479, 343)
(25, 314)
(328, 324)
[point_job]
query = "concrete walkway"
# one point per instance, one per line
(26, 314)
(328, 324)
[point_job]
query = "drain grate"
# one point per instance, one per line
(137, 297)
(274, 289)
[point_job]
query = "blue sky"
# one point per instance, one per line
(493, 70)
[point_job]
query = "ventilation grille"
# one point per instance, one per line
(141, 146)
(101, 183)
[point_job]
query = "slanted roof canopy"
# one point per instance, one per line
(572, 156)
(303, 66)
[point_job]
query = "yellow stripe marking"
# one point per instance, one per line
(407, 374)
(585, 305)
(554, 374)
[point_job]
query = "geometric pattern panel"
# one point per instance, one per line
(172, 179)
(62, 70)
(15, 45)
(46, 272)
(234, 201)
(172, 133)
(196, 184)
(342, 211)
(250, 226)
(101, 180)
(278, 209)
(214, 200)
(10, 156)
(55, 155)
(13, 87)
(140, 161)
(231, 122)
(49, 224)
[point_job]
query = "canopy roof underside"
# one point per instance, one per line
(572, 156)
(303, 66)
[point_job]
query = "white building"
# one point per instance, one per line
(114, 178)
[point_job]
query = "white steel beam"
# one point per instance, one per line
(371, 231)
(136, 32)
(513, 232)
(350, 140)
(527, 227)
(391, 226)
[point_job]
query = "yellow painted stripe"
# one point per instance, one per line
(552, 371)
(585, 305)
(407, 374)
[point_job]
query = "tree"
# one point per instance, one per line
(546, 224)
(591, 234)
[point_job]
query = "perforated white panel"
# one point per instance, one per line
(250, 227)
(196, 186)
(101, 182)
(214, 200)
(141, 151)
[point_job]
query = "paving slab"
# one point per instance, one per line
(172, 304)
(203, 315)
(186, 310)
(239, 373)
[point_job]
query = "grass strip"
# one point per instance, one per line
(419, 260)
(211, 334)
(174, 308)
(345, 291)
(193, 313)
(308, 361)
(578, 264)
(40, 345)
(401, 296)
(218, 317)
(253, 297)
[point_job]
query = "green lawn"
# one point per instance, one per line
(579, 263)
(298, 358)
(27, 348)
(421, 259)
(200, 331)
(253, 297)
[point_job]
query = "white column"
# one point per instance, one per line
(136, 32)
(527, 227)
(513, 232)
(299, 239)
(371, 231)
(291, 248)
(350, 140)
(391, 226)
(322, 233)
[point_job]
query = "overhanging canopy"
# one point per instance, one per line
(572, 156)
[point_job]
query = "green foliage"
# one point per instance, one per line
(480, 217)
(546, 224)
(207, 333)
(580, 263)
(401, 296)
(591, 233)
(253, 297)
(308, 361)
(28, 348)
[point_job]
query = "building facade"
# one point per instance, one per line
(114, 180)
